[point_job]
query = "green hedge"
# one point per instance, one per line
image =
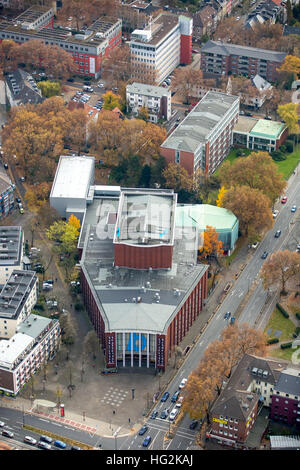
(273, 340)
(282, 310)
(286, 345)
(298, 315)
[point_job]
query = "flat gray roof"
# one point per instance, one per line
(11, 245)
(200, 122)
(222, 48)
(35, 326)
(147, 90)
(15, 292)
(146, 217)
(161, 291)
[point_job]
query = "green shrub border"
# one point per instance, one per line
(282, 310)
(56, 437)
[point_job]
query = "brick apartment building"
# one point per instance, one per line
(88, 48)
(203, 139)
(255, 383)
(225, 59)
(285, 406)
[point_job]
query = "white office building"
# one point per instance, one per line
(159, 48)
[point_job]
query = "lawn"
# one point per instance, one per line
(278, 322)
(286, 167)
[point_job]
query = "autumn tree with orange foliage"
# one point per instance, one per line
(252, 208)
(211, 245)
(205, 383)
(281, 267)
(257, 171)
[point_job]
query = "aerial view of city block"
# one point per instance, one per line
(150, 228)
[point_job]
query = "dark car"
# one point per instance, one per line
(18, 200)
(227, 316)
(7, 433)
(277, 234)
(164, 413)
(165, 397)
(46, 439)
(264, 255)
(194, 424)
(175, 397)
(154, 414)
(146, 441)
(5, 166)
(143, 430)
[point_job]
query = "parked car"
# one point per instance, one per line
(277, 234)
(227, 316)
(182, 383)
(30, 440)
(5, 166)
(154, 414)
(294, 208)
(264, 255)
(283, 200)
(21, 210)
(232, 320)
(76, 448)
(165, 397)
(22, 179)
(254, 245)
(146, 441)
(143, 430)
(275, 213)
(2, 424)
(7, 433)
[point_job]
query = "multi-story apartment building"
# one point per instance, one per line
(285, 405)
(225, 59)
(156, 99)
(88, 48)
(34, 344)
(6, 195)
(251, 386)
(11, 251)
(203, 139)
(17, 299)
(160, 47)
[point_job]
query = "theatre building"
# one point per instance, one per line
(141, 283)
